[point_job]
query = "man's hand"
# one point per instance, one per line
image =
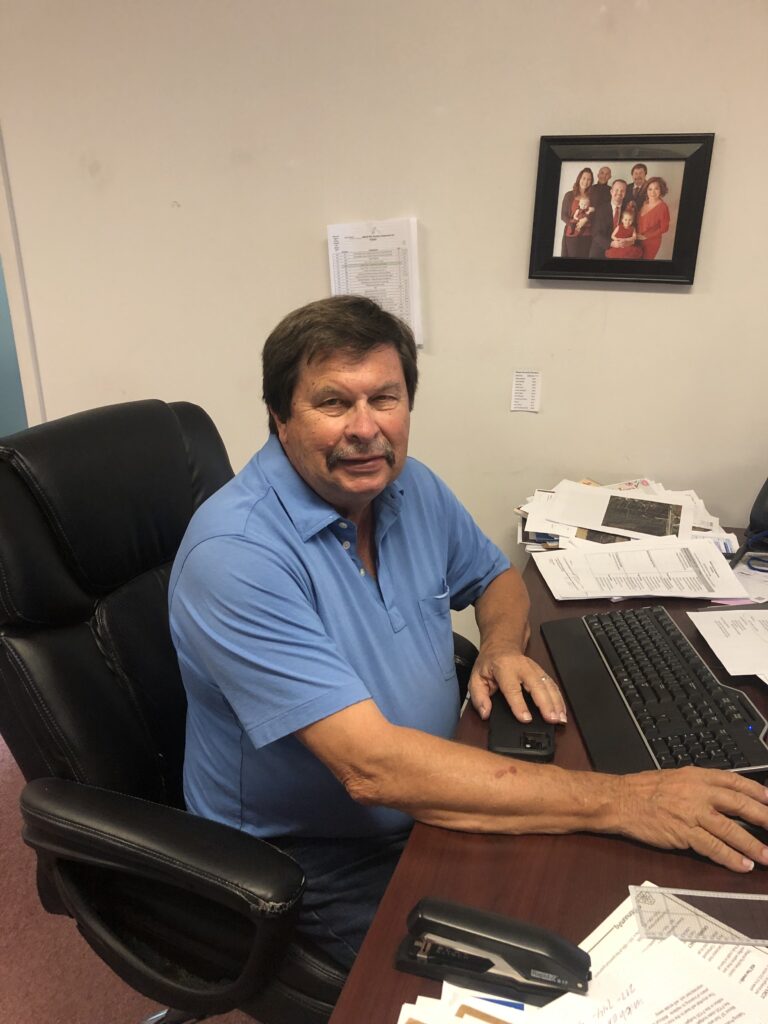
(506, 669)
(694, 808)
(502, 615)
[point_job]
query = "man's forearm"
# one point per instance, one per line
(469, 789)
(460, 787)
(454, 786)
(502, 611)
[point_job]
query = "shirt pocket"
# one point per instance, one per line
(436, 616)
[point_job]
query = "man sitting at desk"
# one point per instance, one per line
(310, 607)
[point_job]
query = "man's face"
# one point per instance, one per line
(638, 175)
(347, 435)
(603, 175)
(618, 191)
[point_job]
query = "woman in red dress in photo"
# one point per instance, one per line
(653, 220)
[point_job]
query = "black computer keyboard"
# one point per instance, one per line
(643, 697)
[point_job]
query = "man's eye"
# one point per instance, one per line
(332, 404)
(385, 401)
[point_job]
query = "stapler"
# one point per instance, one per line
(491, 953)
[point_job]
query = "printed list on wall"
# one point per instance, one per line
(379, 259)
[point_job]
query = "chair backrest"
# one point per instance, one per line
(92, 509)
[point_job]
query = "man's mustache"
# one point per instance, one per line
(359, 451)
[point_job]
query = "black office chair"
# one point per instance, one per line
(189, 912)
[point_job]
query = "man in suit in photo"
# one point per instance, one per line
(637, 190)
(606, 218)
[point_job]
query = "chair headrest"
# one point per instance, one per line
(111, 490)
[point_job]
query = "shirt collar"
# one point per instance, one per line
(305, 508)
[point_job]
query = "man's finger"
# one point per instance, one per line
(727, 842)
(517, 703)
(546, 695)
(708, 845)
(480, 691)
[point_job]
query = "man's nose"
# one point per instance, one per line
(361, 422)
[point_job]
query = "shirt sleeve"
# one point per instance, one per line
(244, 619)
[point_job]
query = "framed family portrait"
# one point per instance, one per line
(619, 207)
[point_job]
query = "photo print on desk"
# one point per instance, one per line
(619, 207)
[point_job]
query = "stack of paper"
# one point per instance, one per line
(461, 1004)
(633, 539)
(579, 514)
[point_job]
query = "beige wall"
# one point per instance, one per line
(174, 163)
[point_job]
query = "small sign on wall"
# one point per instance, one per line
(526, 391)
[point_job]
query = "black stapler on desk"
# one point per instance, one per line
(491, 953)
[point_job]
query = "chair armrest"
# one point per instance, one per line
(464, 654)
(79, 831)
(113, 830)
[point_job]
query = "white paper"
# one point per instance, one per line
(526, 391)
(648, 981)
(425, 1011)
(538, 519)
(666, 983)
(746, 964)
(739, 638)
(379, 259)
(755, 583)
(670, 569)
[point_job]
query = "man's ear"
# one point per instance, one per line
(279, 424)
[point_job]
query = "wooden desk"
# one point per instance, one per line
(566, 883)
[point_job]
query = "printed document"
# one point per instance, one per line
(660, 568)
(526, 391)
(739, 638)
(624, 513)
(652, 981)
(379, 259)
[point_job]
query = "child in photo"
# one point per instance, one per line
(624, 237)
(579, 222)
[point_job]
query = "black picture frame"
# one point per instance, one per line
(595, 150)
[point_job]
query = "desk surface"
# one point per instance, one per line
(566, 883)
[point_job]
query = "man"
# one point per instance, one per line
(310, 607)
(606, 218)
(636, 193)
(601, 191)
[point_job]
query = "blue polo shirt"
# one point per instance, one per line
(277, 625)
